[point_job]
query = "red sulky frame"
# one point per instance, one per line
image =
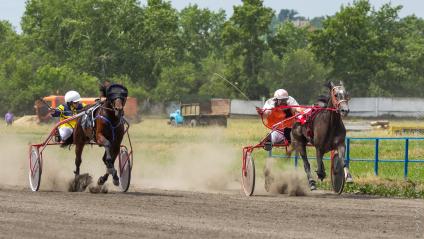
(36, 156)
(248, 166)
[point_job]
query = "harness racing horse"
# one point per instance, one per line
(109, 129)
(324, 130)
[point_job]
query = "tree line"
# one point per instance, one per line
(163, 54)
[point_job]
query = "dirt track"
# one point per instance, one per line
(178, 214)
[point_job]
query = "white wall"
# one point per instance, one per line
(375, 107)
(359, 107)
(244, 107)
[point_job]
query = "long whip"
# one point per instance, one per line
(235, 87)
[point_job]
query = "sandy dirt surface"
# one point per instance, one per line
(153, 213)
(181, 199)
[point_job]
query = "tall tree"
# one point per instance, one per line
(200, 32)
(245, 35)
(288, 38)
(357, 43)
(289, 15)
(160, 41)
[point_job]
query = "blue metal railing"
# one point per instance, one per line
(376, 159)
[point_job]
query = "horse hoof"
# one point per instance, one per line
(101, 181)
(349, 178)
(312, 185)
(116, 182)
(321, 175)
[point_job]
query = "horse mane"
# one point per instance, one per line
(103, 88)
(322, 100)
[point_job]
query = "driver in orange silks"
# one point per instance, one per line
(272, 115)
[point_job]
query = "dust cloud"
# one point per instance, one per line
(14, 162)
(15, 166)
(58, 164)
(207, 165)
(290, 181)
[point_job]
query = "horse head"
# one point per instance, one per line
(116, 95)
(339, 98)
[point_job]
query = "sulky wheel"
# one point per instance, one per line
(35, 168)
(248, 175)
(125, 166)
(337, 173)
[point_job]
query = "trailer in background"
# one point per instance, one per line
(214, 112)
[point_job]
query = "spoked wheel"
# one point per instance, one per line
(35, 168)
(125, 166)
(337, 173)
(248, 175)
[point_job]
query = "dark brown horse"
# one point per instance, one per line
(325, 131)
(104, 124)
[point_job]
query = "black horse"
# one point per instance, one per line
(105, 125)
(324, 130)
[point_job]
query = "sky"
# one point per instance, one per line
(12, 10)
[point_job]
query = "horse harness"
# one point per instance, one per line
(88, 120)
(308, 116)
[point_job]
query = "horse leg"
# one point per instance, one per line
(78, 152)
(115, 151)
(321, 169)
(341, 149)
(107, 158)
(299, 143)
(302, 150)
(103, 179)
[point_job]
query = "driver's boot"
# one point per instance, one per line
(267, 143)
(56, 136)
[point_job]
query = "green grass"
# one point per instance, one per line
(156, 141)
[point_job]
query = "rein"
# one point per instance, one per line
(302, 106)
(283, 107)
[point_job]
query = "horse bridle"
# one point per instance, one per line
(336, 102)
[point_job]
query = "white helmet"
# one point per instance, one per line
(281, 94)
(72, 96)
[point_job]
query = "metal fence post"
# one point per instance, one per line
(405, 172)
(296, 156)
(376, 157)
(347, 152)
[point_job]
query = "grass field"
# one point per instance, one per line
(156, 142)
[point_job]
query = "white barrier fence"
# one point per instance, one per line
(359, 107)
(376, 107)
